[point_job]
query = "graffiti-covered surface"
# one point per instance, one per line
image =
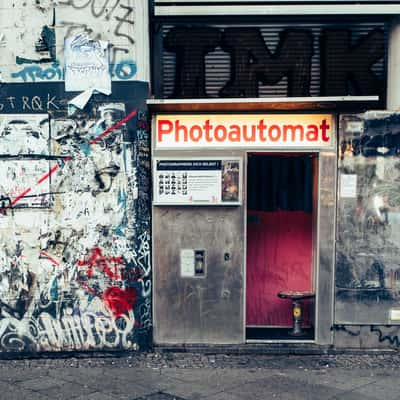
(269, 59)
(33, 33)
(368, 220)
(75, 225)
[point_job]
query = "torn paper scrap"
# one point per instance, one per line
(86, 64)
(81, 100)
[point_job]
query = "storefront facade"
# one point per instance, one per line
(274, 174)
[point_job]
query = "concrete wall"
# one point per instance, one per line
(75, 270)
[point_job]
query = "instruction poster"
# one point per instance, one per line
(197, 181)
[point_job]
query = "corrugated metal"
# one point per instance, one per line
(218, 61)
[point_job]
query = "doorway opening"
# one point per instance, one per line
(282, 193)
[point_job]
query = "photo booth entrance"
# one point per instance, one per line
(282, 204)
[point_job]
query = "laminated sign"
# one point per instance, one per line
(197, 181)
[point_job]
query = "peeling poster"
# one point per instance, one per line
(86, 64)
(24, 135)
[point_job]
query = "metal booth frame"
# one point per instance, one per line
(324, 226)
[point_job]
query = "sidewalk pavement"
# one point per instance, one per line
(185, 376)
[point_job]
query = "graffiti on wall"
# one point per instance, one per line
(38, 53)
(114, 10)
(368, 234)
(124, 70)
(75, 269)
(372, 336)
(346, 65)
(45, 44)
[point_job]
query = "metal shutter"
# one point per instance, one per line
(218, 62)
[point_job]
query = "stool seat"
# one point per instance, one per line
(296, 295)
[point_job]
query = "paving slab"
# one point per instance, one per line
(212, 377)
(41, 383)
(67, 391)
(95, 396)
(159, 396)
(224, 396)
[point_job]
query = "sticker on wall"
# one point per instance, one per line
(348, 186)
(204, 181)
(187, 263)
(394, 314)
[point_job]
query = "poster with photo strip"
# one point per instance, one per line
(197, 181)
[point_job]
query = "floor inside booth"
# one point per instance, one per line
(272, 333)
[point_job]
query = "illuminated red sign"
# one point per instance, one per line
(256, 130)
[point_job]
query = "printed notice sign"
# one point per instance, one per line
(187, 263)
(193, 182)
(348, 186)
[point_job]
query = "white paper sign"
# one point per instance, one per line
(348, 186)
(187, 263)
(86, 64)
(394, 314)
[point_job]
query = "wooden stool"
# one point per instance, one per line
(297, 309)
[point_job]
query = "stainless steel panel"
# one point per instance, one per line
(211, 309)
(368, 232)
(326, 246)
(201, 309)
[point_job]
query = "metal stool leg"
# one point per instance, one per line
(297, 315)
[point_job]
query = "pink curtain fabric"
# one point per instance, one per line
(279, 257)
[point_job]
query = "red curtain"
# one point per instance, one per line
(279, 257)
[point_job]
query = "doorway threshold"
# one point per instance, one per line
(278, 334)
(282, 341)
